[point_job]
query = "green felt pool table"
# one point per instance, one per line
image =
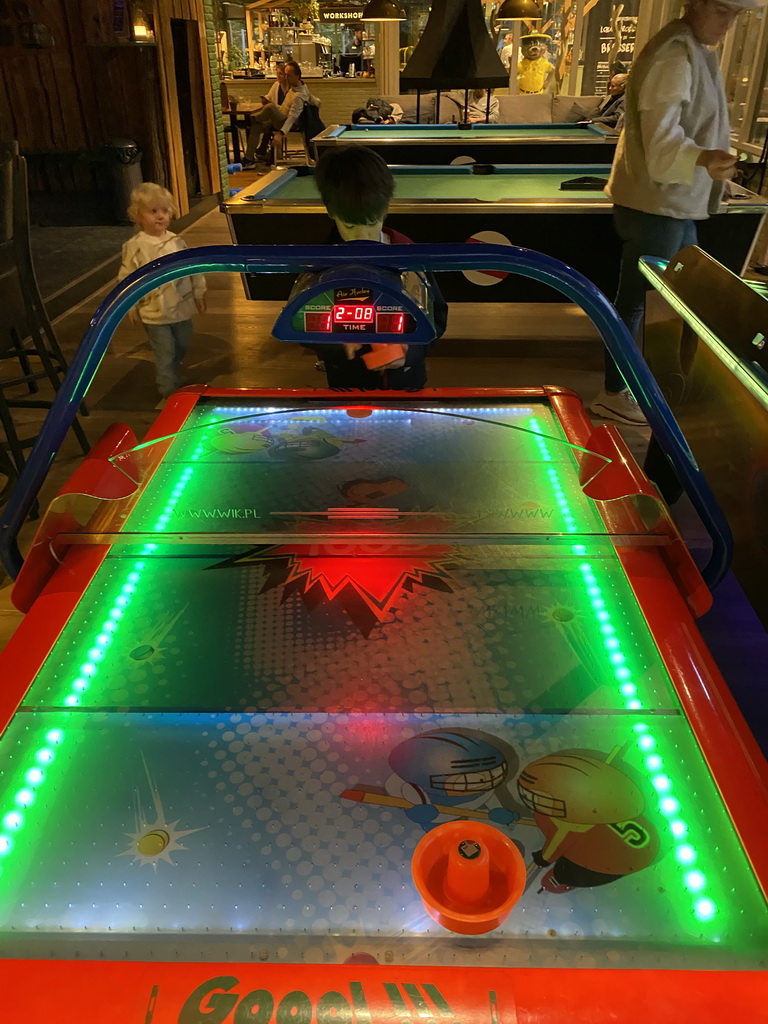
(483, 143)
(510, 205)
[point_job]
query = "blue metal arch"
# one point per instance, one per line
(246, 259)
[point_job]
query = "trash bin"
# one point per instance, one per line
(125, 164)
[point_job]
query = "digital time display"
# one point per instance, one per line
(354, 314)
(350, 318)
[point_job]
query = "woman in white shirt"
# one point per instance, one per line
(671, 162)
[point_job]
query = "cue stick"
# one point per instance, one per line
(363, 796)
(466, 106)
(488, 106)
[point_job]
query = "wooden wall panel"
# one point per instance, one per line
(66, 101)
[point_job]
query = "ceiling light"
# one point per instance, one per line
(519, 10)
(384, 10)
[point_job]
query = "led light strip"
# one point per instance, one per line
(739, 368)
(704, 908)
(34, 777)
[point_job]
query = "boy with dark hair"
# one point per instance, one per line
(356, 187)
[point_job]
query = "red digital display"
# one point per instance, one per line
(390, 323)
(320, 322)
(353, 314)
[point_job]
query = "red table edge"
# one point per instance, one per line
(735, 761)
(108, 992)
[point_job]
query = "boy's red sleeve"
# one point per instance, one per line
(397, 237)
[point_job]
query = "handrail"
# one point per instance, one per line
(245, 259)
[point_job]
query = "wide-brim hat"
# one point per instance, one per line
(536, 35)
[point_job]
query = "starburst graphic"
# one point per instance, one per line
(364, 581)
(157, 840)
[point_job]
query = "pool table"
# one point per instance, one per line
(483, 143)
(511, 204)
(706, 342)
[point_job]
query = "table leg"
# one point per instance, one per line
(235, 137)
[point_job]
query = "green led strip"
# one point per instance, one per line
(34, 775)
(740, 369)
(704, 908)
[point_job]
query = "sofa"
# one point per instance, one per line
(543, 109)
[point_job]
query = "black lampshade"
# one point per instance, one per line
(384, 10)
(455, 51)
(519, 10)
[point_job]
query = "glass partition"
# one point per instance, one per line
(759, 125)
(740, 69)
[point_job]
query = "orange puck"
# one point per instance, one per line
(469, 876)
(358, 414)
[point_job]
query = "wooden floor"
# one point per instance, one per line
(533, 344)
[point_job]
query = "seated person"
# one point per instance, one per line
(535, 71)
(477, 106)
(508, 50)
(275, 95)
(356, 186)
(609, 112)
(276, 121)
(279, 88)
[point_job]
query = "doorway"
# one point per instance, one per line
(184, 37)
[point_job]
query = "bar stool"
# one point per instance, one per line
(28, 342)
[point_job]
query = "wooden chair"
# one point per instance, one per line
(307, 126)
(233, 126)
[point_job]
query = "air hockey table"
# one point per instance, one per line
(483, 143)
(281, 642)
(502, 205)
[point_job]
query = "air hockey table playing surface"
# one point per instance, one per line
(316, 630)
